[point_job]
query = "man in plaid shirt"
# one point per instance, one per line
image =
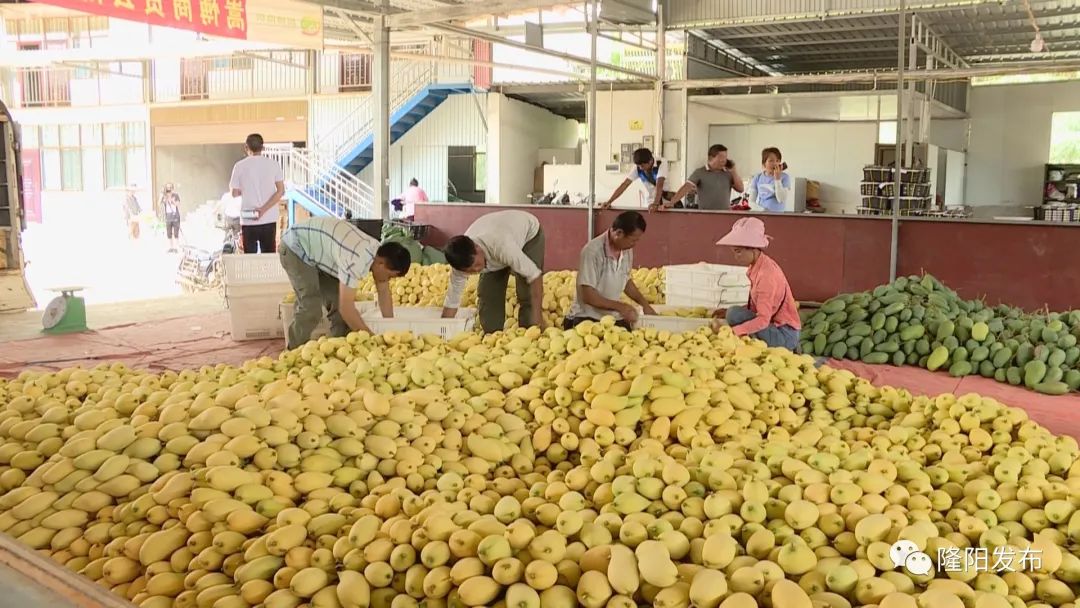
(326, 258)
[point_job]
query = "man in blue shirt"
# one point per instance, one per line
(651, 172)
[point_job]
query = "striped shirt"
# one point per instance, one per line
(502, 236)
(334, 246)
(770, 299)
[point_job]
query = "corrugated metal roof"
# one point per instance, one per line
(978, 32)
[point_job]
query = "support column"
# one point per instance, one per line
(661, 76)
(381, 90)
(593, 23)
(895, 240)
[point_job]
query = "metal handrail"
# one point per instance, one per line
(313, 171)
(412, 77)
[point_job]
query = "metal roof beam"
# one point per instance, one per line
(839, 53)
(468, 11)
(869, 77)
(965, 13)
(791, 43)
(1056, 53)
(758, 33)
(999, 34)
(824, 14)
(463, 31)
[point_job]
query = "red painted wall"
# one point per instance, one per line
(1030, 266)
(826, 255)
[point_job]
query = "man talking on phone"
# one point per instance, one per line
(259, 183)
(713, 183)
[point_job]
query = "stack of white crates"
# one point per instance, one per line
(417, 319)
(704, 284)
(254, 286)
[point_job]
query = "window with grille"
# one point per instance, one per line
(355, 72)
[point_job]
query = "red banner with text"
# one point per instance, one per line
(31, 176)
(226, 18)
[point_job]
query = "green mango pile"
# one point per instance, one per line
(919, 321)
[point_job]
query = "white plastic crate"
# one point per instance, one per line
(254, 274)
(417, 319)
(705, 285)
(672, 324)
(254, 317)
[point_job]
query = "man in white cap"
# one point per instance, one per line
(771, 314)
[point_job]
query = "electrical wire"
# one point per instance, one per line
(1039, 44)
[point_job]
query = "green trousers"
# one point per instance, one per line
(491, 291)
(316, 292)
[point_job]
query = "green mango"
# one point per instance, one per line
(1014, 376)
(945, 329)
(1056, 358)
(888, 347)
(938, 358)
(1051, 388)
(979, 331)
(833, 305)
(877, 321)
(876, 358)
(913, 332)
(1024, 354)
(960, 369)
(1072, 378)
(1034, 372)
(1002, 357)
(860, 329)
(922, 346)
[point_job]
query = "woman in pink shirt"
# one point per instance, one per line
(771, 314)
(412, 195)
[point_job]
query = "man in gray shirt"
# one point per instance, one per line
(713, 183)
(604, 275)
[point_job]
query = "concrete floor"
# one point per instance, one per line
(27, 325)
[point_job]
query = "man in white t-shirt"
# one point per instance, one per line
(495, 246)
(652, 173)
(258, 181)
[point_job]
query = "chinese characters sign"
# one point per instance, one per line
(291, 22)
(227, 18)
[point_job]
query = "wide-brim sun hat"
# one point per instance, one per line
(747, 232)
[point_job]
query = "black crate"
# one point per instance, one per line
(1054, 214)
(910, 204)
(920, 190)
(915, 176)
(372, 228)
(869, 188)
(877, 175)
(876, 202)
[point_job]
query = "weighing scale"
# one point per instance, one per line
(66, 313)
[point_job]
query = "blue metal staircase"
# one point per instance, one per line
(356, 158)
(325, 179)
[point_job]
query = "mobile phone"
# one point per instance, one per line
(730, 164)
(250, 214)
